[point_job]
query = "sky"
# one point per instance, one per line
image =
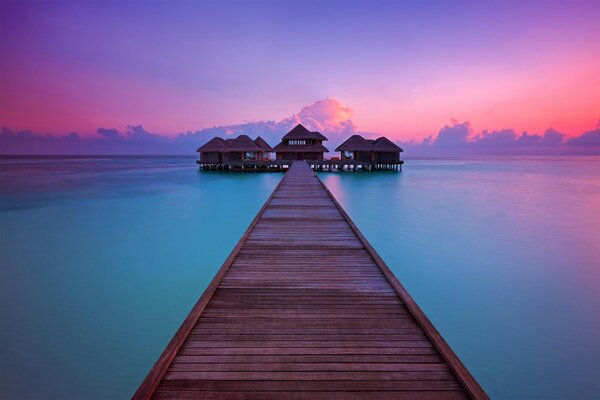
(404, 69)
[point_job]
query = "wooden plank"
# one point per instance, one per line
(272, 344)
(307, 336)
(304, 308)
(304, 358)
(361, 386)
(246, 351)
(311, 375)
(308, 395)
(307, 367)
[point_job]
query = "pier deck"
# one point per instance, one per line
(304, 308)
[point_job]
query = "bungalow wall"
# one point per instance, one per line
(363, 156)
(385, 157)
(209, 157)
(299, 156)
(234, 156)
(312, 156)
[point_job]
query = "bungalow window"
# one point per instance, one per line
(348, 154)
(297, 142)
(249, 154)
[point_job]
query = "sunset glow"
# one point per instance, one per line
(404, 69)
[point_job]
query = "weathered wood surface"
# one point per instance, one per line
(304, 308)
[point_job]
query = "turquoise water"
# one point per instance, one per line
(102, 258)
(503, 255)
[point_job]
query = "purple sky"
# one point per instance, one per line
(402, 69)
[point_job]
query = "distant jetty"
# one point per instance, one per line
(244, 154)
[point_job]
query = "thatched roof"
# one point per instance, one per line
(308, 148)
(384, 144)
(238, 144)
(214, 144)
(241, 143)
(356, 143)
(300, 132)
(359, 143)
(260, 142)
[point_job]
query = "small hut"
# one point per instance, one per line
(212, 152)
(265, 154)
(385, 151)
(378, 151)
(301, 144)
(356, 148)
(241, 148)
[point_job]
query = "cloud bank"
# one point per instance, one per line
(327, 116)
(459, 138)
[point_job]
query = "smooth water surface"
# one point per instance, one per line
(102, 258)
(503, 255)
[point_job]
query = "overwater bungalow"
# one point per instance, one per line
(245, 154)
(301, 144)
(219, 151)
(265, 154)
(380, 153)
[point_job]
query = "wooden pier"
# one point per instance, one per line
(304, 308)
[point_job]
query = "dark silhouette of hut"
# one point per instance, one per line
(301, 144)
(378, 151)
(241, 148)
(386, 151)
(212, 151)
(264, 146)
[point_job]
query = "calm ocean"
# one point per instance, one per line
(102, 259)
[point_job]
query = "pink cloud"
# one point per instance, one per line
(327, 115)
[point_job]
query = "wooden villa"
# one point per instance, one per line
(379, 153)
(301, 144)
(219, 153)
(265, 154)
(244, 154)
